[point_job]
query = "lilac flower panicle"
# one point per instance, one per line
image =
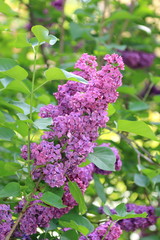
(6, 221)
(132, 224)
(107, 231)
(34, 217)
(136, 223)
(80, 112)
(43, 153)
(58, 4)
(137, 59)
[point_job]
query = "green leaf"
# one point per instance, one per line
(10, 68)
(42, 34)
(22, 116)
(2, 117)
(52, 200)
(99, 189)
(83, 164)
(138, 106)
(127, 90)
(6, 134)
(121, 213)
(52, 225)
(18, 86)
(121, 209)
(107, 210)
(151, 237)
(22, 41)
(137, 127)
(80, 31)
(141, 180)
(17, 73)
(34, 42)
(78, 196)
(21, 128)
(55, 74)
(8, 168)
(5, 81)
(157, 211)
(128, 215)
(74, 77)
(76, 222)
(60, 74)
(43, 123)
(23, 106)
(72, 224)
(121, 15)
(10, 190)
(111, 110)
(149, 172)
(6, 64)
(104, 158)
(156, 179)
(70, 234)
(154, 79)
(5, 8)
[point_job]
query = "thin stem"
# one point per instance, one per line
(17, 221)
(131, 143)
(61, 26)
(40, 86)
(148, 91)
(23, 210)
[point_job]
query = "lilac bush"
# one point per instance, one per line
(76, 120)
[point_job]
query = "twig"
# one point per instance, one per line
(148, 91)
(61, 26)
(17, 221)
(23, 210)
(148, 159)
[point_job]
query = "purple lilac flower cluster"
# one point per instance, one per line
(80, 112)
(118, 163)
(6, 221)
(137, 59)
(134, 223)
(107, 231)
(35, 216)
(58, 4)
